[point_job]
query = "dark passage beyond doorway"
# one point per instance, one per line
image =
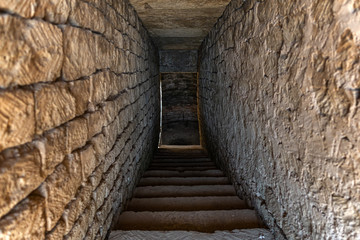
(179, 109)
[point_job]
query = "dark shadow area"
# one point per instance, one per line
(179, 109)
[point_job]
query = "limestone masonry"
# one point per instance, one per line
(79, 115)
(279, 109)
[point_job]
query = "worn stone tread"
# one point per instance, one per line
(202, 221)
(183, 164)
(160, 157)
(180, 160)
(182, 169)
(174, 173)
(243, 234)
(184, 191)
(187, 203)
(156, 181)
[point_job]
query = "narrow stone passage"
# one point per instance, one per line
(184, 191)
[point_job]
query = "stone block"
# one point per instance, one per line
(96, 121)
(99, 144)
(81, 226)
(78, 206)
(121, 102)
(93, 230)
(105, 52)
(60, 109)
(99, 87)
(16, 112)
(32, 51)
(103, 212)
(56, 147)
(72, 213)
(111, 133)
(61, 187)
(107, 225)
(100, 194)
(25, 221)
(21, 173)
(80, 53)
(56, 11)
(81, 91)
(88, 161)
(96, 177)
(115, 151)
(77, 130)
(87, 16)
(25, 8)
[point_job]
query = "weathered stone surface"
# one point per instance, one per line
(21, 173)
(278, 112)
(95, 121)
(61, 188)
(79, 51)
(178, 61)
(31, 51)
(77, 133)
(245, 234)
(99, 87)
(16, 111)
(56, 11)
(64, 114)
(81, 91)
(72, 212)
(79, 17)
(80, 227)
(25, 8)
(179, 24)
(25, 221)
(60, 109)
(88, 161)
(56, 147)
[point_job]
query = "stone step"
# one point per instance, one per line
(182, 164)
(167, 173)
(243, 234)
(180, 156)
(184, 191)
(181, 160)
(156, 181)
(201, 221)
(186, 204)
(182, 169)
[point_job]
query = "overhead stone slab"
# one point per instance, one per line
(179, 24)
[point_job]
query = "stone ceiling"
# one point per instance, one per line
(179, 24)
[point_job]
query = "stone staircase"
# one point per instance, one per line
(183, 195)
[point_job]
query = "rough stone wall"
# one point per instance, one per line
(79, 115)
(180, 124)
(178, 60)
(279, 107)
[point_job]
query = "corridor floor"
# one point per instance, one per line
(183, 195)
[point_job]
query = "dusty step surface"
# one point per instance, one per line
(184, 191)
(182, 157)
(183, 164)
(187, 203)
(183, 169)
(201, 221)
(185, 181)
(243, 234)
(181, 160)
(190, 173)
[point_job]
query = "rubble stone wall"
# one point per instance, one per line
(79, 115)
(279, 86)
